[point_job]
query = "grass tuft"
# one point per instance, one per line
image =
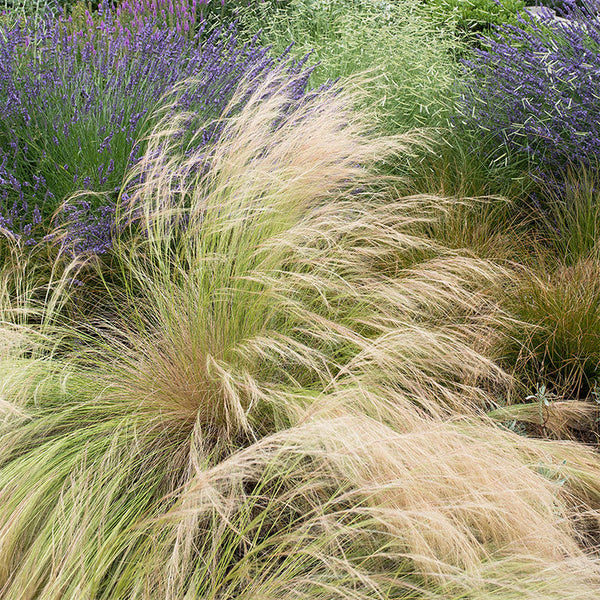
(288, 397)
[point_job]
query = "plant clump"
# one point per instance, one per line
(75, 102)
(289, 398)
(401, 43)
(535, 87)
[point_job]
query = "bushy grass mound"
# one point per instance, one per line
(286, 398)
(560, 347)
(401, 43)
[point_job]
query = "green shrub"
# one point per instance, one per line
(473, 16)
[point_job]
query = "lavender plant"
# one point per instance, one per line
(176, 13)
(76, 103)
(535, 89)
(180, 15)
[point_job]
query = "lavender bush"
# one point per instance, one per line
(180, 15)
(76, 101)
(535, 89)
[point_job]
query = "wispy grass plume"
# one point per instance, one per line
(276, 262)
(289, 401)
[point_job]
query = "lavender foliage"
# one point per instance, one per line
(534, 88)
(76, 102)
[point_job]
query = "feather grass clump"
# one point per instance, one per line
(278, 262)
(289, 402)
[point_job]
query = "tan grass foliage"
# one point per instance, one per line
(292, 401)
(292, 269)
(559, 418)
(342, 506)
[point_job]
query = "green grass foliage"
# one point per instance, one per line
(570, 215)
(286, 397)
(556, 294)
(401, 43)
(473, 16)
(560, 347)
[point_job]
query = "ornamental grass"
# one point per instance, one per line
(288, 399)
(406, 45)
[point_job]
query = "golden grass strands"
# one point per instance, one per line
(432, 507)
(292, 401)
(288, 259)
(559, 418)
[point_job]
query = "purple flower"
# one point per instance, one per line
(76, 110)
(535, 88)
